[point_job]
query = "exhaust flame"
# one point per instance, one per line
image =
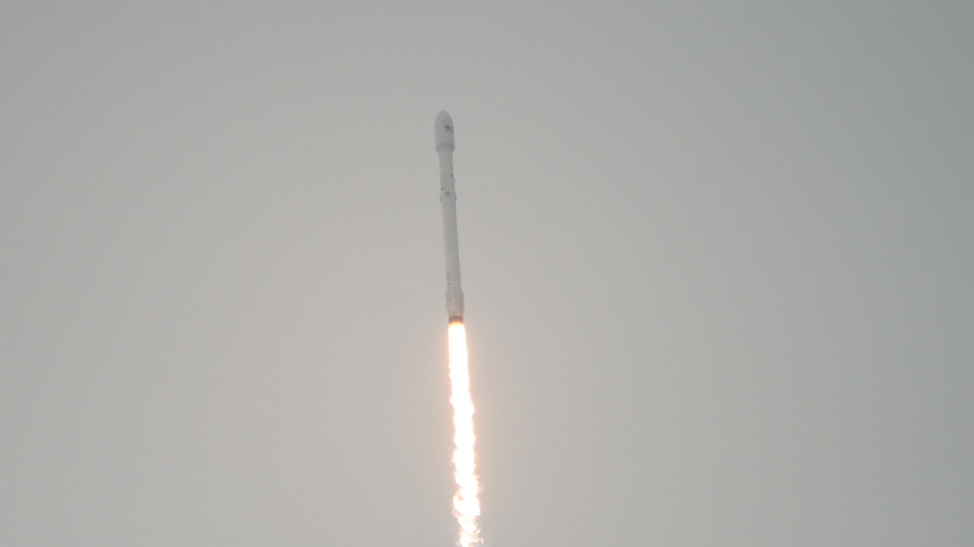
(465, 504)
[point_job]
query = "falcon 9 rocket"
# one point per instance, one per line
(448, 200)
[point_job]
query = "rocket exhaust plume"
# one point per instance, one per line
(466, 507)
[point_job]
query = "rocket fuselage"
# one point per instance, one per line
(448, 201)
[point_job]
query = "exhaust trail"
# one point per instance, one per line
(466, 507)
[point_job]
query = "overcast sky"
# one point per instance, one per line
(718, 262)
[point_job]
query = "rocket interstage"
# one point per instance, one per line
(448, 201)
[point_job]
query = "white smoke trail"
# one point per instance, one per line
(465, 504)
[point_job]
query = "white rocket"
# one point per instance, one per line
(443, 131)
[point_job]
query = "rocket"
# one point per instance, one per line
(443, 133)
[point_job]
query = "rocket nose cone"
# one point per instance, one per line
(443, 131)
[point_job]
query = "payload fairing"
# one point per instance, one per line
(443, 133)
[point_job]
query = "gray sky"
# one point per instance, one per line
(717, 258)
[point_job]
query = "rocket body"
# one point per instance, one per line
(443, 132)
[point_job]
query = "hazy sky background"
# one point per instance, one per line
(718, 262)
